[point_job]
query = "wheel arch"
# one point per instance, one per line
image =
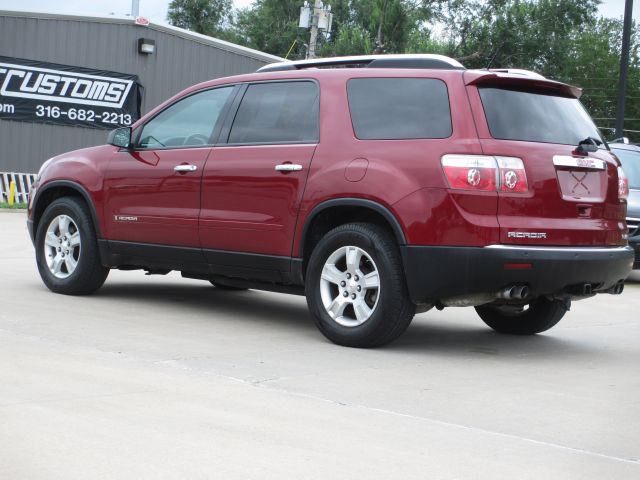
(338, 211)
(57, 189)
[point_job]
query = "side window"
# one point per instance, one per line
(399, 108)
(279, 112)
(187, 123)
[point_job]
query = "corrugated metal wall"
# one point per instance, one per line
(177, 64)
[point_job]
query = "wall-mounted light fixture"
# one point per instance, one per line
(146, 46)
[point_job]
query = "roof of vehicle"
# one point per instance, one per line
(498, 76)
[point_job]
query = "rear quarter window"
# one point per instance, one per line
(399, 108)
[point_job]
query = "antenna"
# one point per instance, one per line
(493, 57)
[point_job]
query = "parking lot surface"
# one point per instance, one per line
(162, 377)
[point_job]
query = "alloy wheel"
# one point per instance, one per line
(350, 286)
(62, 246)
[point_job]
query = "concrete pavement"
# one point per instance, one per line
(162, 377)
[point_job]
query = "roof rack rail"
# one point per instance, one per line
(370, 61)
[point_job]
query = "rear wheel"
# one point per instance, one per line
(355, 287)
(539, 315)
(67, 249)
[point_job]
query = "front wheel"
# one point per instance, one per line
(67, 249)
(538, 316)
(355, 287)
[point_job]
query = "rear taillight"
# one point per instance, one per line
(623, 184)
(513, 177)
(470, 172)
(485, 173)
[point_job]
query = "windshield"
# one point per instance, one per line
(631, 165)
(536, 117)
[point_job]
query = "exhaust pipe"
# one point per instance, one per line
(521, 292)
(514, 292)
(617, 288)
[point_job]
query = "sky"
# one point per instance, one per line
(156, 10)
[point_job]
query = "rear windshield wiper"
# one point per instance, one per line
(589, 144)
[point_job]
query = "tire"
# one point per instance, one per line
(88, 274)
(541, 315)
(222, 286)
(388, 311)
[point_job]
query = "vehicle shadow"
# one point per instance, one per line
(429, 333)
(441, 335)
(219, 305)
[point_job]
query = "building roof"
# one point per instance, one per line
(169, 29)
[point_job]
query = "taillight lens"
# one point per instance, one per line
(513, 177)
(623, 184)
(485, 173)
(470, 172)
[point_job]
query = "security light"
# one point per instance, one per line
(146, 46)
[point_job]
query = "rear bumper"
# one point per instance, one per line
(437, 273)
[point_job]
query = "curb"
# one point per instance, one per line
(13, 210)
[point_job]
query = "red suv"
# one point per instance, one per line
(395, 185)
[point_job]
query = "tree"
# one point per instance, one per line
(594, 64)
(272, 26)
(209, 17)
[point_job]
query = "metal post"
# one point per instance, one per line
(135, 8)
(314, 28)
(624, 67)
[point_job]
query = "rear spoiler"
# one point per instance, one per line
(519, 79)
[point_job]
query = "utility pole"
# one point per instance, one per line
(313, 39)
(318, 18)
(135, 8)
(624, 67)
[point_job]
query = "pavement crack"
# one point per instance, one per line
(459, 426)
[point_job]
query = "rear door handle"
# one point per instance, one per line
(288, 167)
(185, 168)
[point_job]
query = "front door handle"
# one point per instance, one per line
(185, 168)
(288, 167)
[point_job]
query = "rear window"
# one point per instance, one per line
(399, 108)
(631, 165)
(536, 117)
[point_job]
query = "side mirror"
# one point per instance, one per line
(120, 137)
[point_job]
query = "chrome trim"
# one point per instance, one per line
(185, 168)
(288, 167)
(581, 162)
(560, 249)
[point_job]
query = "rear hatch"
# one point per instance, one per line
(549, 193)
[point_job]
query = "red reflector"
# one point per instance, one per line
(517, 266)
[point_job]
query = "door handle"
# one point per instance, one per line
(185, 168)
(288, 167)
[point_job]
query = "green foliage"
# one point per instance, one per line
(15, 206)
(593, 63)
(209, 17)
(272, 26)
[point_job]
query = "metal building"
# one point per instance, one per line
(63, 78)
